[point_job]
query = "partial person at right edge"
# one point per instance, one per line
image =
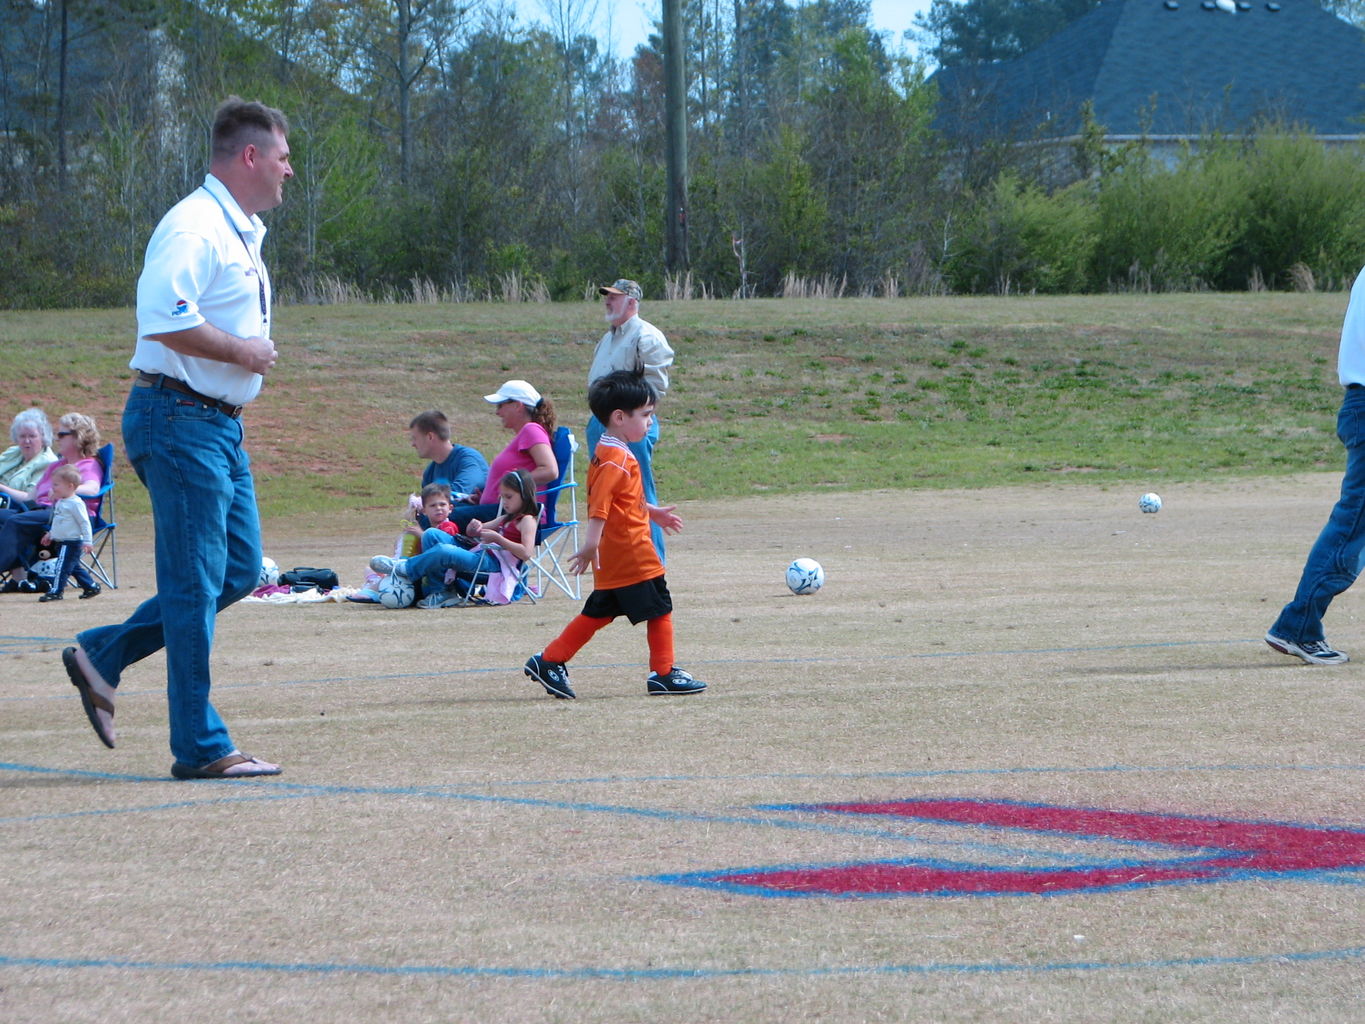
(1335, 560)
(633, 344)
(203, 348)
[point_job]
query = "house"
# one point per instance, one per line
(1167, 71)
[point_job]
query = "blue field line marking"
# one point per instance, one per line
(26, 644)
(678, 973)
(517, 669)
(176, 805)
(710, 880)
(81, 773)
(825, 808)
(301, 790)
(930, 773)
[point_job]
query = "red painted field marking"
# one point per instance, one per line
(1221, 850)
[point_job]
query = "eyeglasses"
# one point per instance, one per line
(66, 433)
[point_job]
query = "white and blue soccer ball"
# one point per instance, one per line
(44, 567)
(396, 591)
(1150, 502)
(270, 573)
(805, 576)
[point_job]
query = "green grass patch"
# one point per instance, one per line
(773, 396)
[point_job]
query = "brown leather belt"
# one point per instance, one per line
(160, 380)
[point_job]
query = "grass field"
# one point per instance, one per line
(774, 396)
(449, 844)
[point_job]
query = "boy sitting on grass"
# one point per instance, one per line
(628, 578)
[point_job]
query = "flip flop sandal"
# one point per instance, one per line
(234, 766)
(98, 708)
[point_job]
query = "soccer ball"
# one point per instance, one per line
(1150, 502)
(270, 573)
(805, 576)
(396, 591)
(46, 568)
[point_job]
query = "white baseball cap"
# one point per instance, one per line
(515, 391)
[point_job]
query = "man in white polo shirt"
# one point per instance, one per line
(632, 343)
(203, 349)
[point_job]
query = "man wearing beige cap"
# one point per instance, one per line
(632, 344)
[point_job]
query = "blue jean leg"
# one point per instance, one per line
(439, 553)
(208, 556)
(644, 454)
(1335, 559)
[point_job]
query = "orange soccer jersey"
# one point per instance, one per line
(616, 493)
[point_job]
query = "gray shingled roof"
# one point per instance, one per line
(1168, 68)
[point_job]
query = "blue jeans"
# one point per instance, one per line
(1335, 560)
(439, 553)
(644, 454)
(208, 556)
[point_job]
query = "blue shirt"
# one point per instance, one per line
(464, 469)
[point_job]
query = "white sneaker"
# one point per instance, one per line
(1315, 652)
(382, 564)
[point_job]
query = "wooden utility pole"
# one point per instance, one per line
(675, 117)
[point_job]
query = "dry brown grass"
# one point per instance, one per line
(448, 844)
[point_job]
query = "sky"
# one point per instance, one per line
(630, 21)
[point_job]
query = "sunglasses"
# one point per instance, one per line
(66, 433)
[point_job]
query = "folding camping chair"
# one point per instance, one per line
(557, 538)
(102, 524)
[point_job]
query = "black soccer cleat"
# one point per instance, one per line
(553, 675)
(675, 681)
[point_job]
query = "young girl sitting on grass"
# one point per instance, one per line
(500, 545)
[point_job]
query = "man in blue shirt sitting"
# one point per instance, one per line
(463, 468)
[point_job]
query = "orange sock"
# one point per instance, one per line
(577, 633)
(660, 634)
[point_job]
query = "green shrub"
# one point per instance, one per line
(1306, 206)
(1171, 229)
(1020, 239)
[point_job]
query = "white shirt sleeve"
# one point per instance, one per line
(179, 267)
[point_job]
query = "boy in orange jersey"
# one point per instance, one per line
(628, 578)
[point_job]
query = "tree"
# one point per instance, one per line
(400, 40)
(970, 31)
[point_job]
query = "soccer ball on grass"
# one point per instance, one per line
(805, 576)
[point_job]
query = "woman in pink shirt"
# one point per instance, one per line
(530, 417)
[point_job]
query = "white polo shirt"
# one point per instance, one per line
(203, 265)
(1351, 355)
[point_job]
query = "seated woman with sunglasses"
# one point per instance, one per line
(22, 527)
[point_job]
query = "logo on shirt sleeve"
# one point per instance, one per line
(181, 308)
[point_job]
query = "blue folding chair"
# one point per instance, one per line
(102, 524)
(557, 538)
